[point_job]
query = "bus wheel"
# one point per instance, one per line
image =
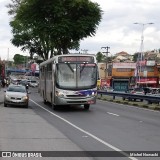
(44, 101)
(54, 107)
(86, 106)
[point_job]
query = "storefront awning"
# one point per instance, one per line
(147, 82)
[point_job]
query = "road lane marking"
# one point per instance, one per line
(86, 132)
(130, 106)
(113, 114)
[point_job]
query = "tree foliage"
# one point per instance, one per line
(19, 59)
(53, 27)
(136, 57)
(100, 57)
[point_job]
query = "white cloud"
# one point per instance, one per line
(116, 29)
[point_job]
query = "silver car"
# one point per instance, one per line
(16, 95)
(33, 83)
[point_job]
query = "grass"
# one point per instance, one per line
(133, 103)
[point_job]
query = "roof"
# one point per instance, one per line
(122, 54)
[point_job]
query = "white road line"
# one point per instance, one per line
(89, 134)
(126, 105)
(113, 114)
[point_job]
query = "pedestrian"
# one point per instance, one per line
(3, 83)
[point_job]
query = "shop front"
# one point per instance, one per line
(148, 82)
(121, 85)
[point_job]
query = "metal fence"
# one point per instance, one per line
(149, 98)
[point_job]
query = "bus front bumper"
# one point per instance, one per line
(69, 101)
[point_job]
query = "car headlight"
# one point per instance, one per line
(59, 94)
(25, 98)
(7, 97)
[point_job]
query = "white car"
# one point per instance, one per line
(33, 83)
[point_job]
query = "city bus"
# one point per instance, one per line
(69, 80)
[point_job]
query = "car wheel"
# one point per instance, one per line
(5, 105)
(86, 106)
(26, 106)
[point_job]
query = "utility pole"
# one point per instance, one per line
(106, 48)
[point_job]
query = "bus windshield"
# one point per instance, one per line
(76, 76)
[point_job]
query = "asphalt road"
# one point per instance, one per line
(105, 127)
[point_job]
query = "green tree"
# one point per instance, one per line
(19, 59)
(53, 27)
(100, 57)
(13, 6)
(135, 57)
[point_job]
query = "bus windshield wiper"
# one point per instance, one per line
(83, 67)
(69, 66)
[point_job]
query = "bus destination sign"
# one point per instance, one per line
(88, 59)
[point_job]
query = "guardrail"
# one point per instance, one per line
(149, 98)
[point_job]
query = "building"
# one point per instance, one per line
(122, 75)
(147, 74)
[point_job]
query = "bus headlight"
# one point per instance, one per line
(94, 93)
(59, 94)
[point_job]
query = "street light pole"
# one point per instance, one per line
(141, 49)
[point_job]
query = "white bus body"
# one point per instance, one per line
(69, 80)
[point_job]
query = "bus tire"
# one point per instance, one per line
(44, 101)
(54, 107)
(86, 106)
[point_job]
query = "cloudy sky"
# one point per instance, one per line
(116, 30)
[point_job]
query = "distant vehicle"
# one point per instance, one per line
(129, 90)
(154, 91)
(16, 95)
(24, 82)
(108, 89)
(15, 81)
(137, 91)
(69, 80)
(33, 83)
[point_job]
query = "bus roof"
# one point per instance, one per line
(66, 55)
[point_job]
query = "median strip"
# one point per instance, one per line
(132, 103)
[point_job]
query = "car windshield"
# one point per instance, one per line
(16, 89)
(33, 82)
(76, 76)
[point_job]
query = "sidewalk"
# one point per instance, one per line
(24, 130)
(2, 95)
